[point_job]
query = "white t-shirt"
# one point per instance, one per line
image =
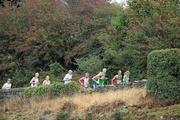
(86, 82)
(67, 78)
(46, 82)
(7, 86)
(34, 81)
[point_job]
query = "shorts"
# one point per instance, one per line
(83, 89)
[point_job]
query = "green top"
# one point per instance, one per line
(102, 76)
(126, 79)
(119, 78)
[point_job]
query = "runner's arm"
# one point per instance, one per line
(113, 79)
(32, 80)
(96, 76)
(81, 80)
(124, 78)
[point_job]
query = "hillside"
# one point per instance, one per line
(127, 104)
(104, 44)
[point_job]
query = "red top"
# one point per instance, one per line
(82, 82)
(115, 81)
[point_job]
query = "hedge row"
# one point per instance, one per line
(54, 89)
(163, 72)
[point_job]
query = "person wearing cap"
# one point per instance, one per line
(35, 80)
(68, 77)
(7, 85)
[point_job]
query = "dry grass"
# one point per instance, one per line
(81, 103)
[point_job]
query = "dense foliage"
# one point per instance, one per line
(163, 74)
(55, 89)
(51, 36)
(90, 64)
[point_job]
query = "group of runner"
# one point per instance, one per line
(98, 80)
(35, 80)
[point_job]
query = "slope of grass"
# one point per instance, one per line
(159, 113)
(128, 104)
(79, 105)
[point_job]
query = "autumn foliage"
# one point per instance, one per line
(71, 33)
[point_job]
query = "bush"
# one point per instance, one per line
(3, 118)
(41, 91)
(54, 89)
(57, 89)
(53, 78)
(22, 77)
(120, 114)
(36, 91)
(62, 116)
(72, 87)
(28, 92)
(119, 22)
(56, 68)
(163, 74)
(89, 64)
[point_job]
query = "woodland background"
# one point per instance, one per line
(50, 37)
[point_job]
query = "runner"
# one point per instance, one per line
(126, 78)
(46, 82)
(117, 79)
(68, 77)
(84, 83)
(7, 85)
(100, 79)
(35, 80)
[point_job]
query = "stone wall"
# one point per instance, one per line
(14, 92)
(17, 92)
(135, 84)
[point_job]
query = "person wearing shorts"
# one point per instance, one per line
(84, 81)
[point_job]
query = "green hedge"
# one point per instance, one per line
(163, 72)
(54, 89)
(57, 89)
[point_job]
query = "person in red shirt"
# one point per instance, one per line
(117, 79)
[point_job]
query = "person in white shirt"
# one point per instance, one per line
(35, 80)
(84, 81)
(7, 85)
(46, 81)
(68, 77)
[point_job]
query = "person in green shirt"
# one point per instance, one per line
(117, 79)
(126, 78)
(99, 79)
